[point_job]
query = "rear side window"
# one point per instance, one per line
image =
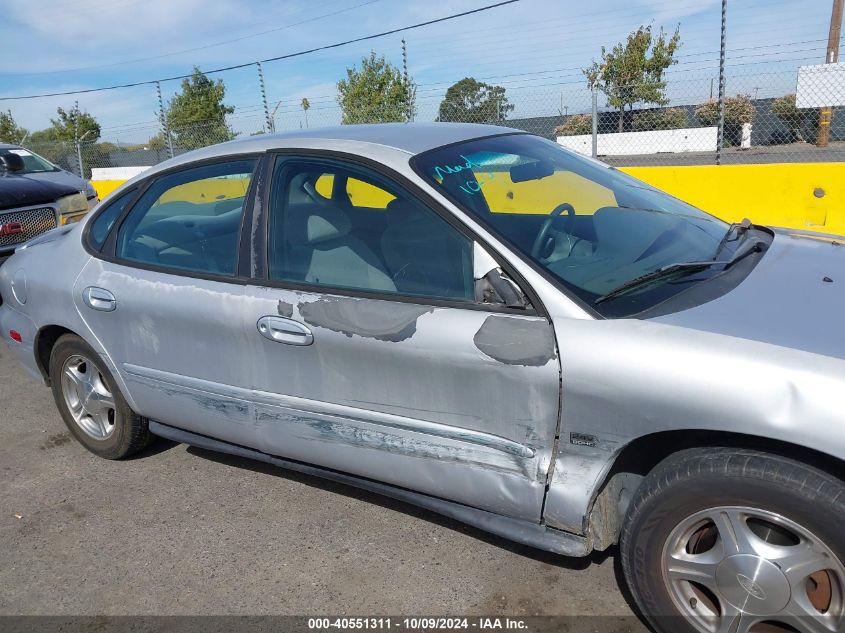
(101, 225)
(189, 220)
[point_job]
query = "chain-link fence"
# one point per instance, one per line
(764, 121)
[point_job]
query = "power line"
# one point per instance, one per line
(273, 59)
(198, 48)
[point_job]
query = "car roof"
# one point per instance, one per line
(413, 138)
(9, 146)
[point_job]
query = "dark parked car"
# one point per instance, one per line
(30, 206)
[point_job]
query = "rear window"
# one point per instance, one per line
(101, 225)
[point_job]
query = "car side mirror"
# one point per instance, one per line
(12, 162)
(493, 285)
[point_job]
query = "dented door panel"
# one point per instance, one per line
(456, 403)
(177, 344)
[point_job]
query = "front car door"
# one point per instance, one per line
(164, 299)
(372, 356)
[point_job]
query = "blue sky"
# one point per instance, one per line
(534, 48)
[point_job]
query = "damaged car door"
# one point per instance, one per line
(373, 356)
(163, 299)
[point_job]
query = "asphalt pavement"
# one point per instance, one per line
(181, 531)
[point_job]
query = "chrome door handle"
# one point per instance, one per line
(282, 330)
(99, 299)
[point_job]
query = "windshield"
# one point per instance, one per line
(32, 163)
(591, 227)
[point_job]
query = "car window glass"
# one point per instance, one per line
(342, 226)
(359, 192)
(189, 220)
(32, 163)
(101, 225)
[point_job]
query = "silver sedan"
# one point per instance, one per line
(476, 321)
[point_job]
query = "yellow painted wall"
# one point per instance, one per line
(776, 194)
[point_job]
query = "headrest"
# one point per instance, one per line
(310, 224)
(400, 212)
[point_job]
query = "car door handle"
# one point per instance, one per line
(99, 299)
(282, 330)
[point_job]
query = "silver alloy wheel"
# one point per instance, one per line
(739, 569)
(88, 398)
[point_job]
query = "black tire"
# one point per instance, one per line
(698, 480)
(130, 433)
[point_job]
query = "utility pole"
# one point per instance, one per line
(832, 57)
(406, 80)
(721, 135)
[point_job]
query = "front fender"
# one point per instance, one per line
(625, 379)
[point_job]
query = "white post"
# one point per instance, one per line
(746, 136)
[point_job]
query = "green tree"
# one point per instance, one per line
(473, 101)
(804, 122)
(10, 131)
(632, 72)
(377, 93)
(197, 115)
(70, 125)
(305, 106)
(57, 143)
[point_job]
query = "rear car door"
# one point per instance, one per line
(372, 356)
(165, 300)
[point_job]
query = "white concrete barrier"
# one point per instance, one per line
(116, 173)
(699, 139)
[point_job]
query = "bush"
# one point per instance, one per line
(575, 125)
(738, 111)
(666, 119)
(803, 124)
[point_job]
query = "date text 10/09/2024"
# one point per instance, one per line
(417, 623)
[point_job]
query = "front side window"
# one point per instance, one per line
(342, 226)
(591, 227)
(189, 220)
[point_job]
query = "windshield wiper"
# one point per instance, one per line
(681, 268)
(741, 228)
(666, 271)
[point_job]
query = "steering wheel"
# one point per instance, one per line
(540, 242)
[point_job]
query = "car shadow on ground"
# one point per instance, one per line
(366, 496)
(159, 445)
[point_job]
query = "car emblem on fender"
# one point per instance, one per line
(12, 228)
(751, 587)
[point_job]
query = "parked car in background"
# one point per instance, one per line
(32, 203)
(39, 168)
(480, 322)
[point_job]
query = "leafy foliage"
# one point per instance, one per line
(803, 122)
(197, 115)
(10, 131)
(70, 125)
(738, 111)
(377, 93)
(664, 119)
(305, 106)
(472, 101)
(57, 143)
(575, 125)
(632, 72)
